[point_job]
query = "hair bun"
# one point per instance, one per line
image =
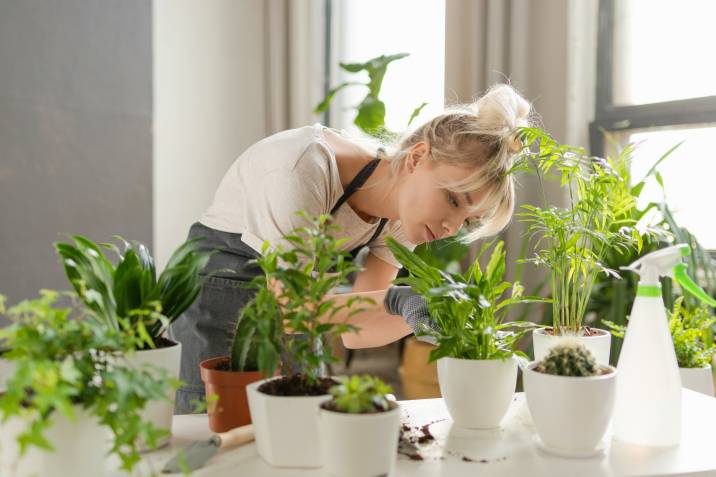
(502, 109)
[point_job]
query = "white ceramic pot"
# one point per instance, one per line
(359, 445)
(286, 427)
(571, 414)
(698, 379)
(160, 413)
(477, 393)
(80, 448)
(599, 345)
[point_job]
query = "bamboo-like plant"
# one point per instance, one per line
(129, 295)
(468, 308)
(291, 299)
(573, 242)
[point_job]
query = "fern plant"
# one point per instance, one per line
(468, 308)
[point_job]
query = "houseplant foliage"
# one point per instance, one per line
(130, 295)
(291, 299)
(468, 308)
(359, 428)
(573, 242)
(65, 362)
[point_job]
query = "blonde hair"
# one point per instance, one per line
(482, 136)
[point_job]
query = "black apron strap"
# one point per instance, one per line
(358, 181)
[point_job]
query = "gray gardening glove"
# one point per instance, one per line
(402, 300)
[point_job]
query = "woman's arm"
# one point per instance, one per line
(377, 326)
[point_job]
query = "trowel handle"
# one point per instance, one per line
(235, 437)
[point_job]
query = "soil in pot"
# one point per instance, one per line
(297, 385)
(159, 343)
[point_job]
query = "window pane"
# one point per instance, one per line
(689, 175)
(372, 28)
(663, 51)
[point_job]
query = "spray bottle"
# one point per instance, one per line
(647, 408)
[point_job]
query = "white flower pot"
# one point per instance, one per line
(698, 379)
(286, 427)
(571, 414)
(160, 413)
(477, 393)
(80, 448)
(599, 345)
(359, 445)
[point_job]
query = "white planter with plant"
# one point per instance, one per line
(133, 299)
(359, 428)
(476, 351)
(571, 399)
(573, 241)
(291, 299)
(72, 399)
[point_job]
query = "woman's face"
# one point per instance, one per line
(427, 210)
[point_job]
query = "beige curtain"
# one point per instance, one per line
(294, 46)
(546, 50)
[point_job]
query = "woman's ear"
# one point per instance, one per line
(416, 154)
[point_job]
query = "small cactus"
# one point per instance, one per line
(569, 359)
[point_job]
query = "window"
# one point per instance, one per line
(364, 29)
(656, 87)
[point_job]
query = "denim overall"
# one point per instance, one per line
(206, 328)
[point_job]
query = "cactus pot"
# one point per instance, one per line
(477, 393)
(571, 413)
(698, 379)
(359, 445)
(599, 344)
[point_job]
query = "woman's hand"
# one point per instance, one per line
(402, 300)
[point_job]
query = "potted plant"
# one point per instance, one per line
(572, 242)
(359, 428)
(693, 337)
(70, 392)
(571, 398)
(476, 350)
(291, 332)
(226, 377)
(130, 297)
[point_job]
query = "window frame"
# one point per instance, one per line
(609, 117)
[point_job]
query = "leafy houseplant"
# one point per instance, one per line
(71, 383)
(284, 327)
(130, 298)
(565, 429)
(474, 345)
(692, 332)
(572, 242)
(359, 428)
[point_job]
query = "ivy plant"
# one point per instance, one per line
(64, 361)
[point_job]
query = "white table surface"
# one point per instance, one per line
(509, 451)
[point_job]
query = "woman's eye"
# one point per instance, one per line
(452, 200)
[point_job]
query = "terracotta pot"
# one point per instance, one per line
(419, 379)
(231, 409)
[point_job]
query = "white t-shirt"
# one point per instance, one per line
(290, 171)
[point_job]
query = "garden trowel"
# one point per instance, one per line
(195, 455)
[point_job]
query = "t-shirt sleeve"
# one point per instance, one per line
(380, 249)
(301, 186)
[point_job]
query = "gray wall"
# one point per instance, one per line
(75, 131)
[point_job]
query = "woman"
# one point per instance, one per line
(449, 173)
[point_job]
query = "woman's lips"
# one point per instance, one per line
(429, 234)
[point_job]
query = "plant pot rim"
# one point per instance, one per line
(467, 360)
(602, 333)
(708, 366)
(208, 367)
(256, 384)
(172, 344)
(363, 416)
(601, 377)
